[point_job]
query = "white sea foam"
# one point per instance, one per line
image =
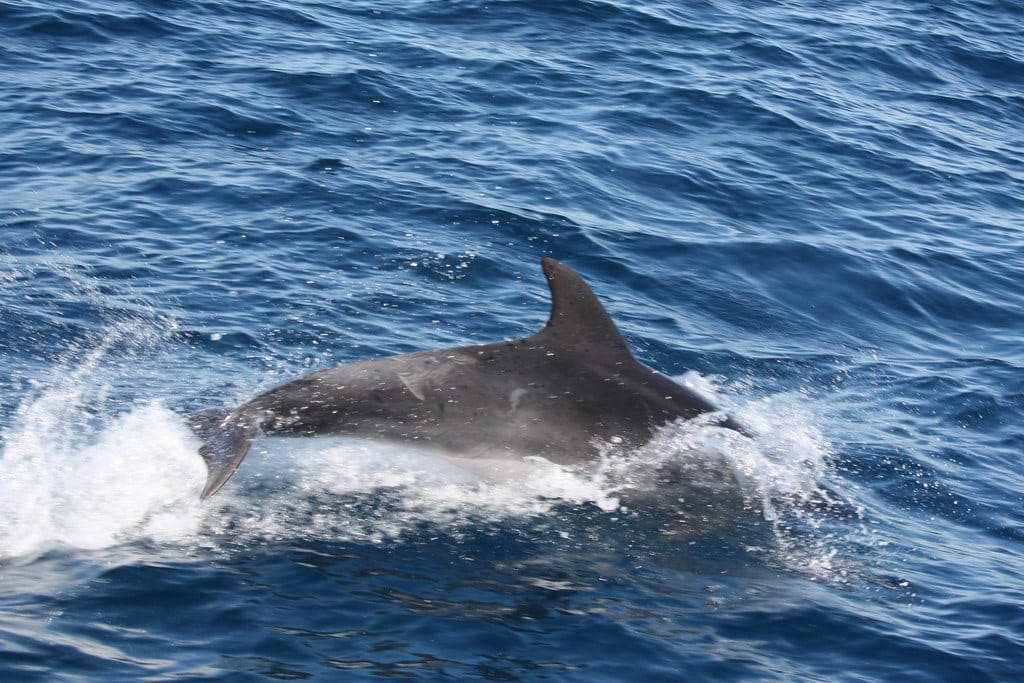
(72, 478)
(63, 485)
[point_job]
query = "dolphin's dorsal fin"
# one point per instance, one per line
(577, 317)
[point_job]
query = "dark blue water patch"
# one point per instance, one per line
(87, 621)
(53, 25)
(478, 607)
(884, 660)
(975, 409)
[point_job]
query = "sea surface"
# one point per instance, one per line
(812, 212)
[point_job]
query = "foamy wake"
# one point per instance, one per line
(71, 479)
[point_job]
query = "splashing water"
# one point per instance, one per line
(70, 477)
(67, 479)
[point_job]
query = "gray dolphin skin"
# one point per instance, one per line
(561, 394)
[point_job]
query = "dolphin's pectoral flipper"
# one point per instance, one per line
(226, 440)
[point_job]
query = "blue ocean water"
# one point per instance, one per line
(813, 211)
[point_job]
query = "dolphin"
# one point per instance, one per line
(564, 393)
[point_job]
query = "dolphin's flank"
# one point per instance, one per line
(560, 393)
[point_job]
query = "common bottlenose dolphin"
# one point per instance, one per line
(562, 393)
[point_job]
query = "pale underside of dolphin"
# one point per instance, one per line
(564, 394)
